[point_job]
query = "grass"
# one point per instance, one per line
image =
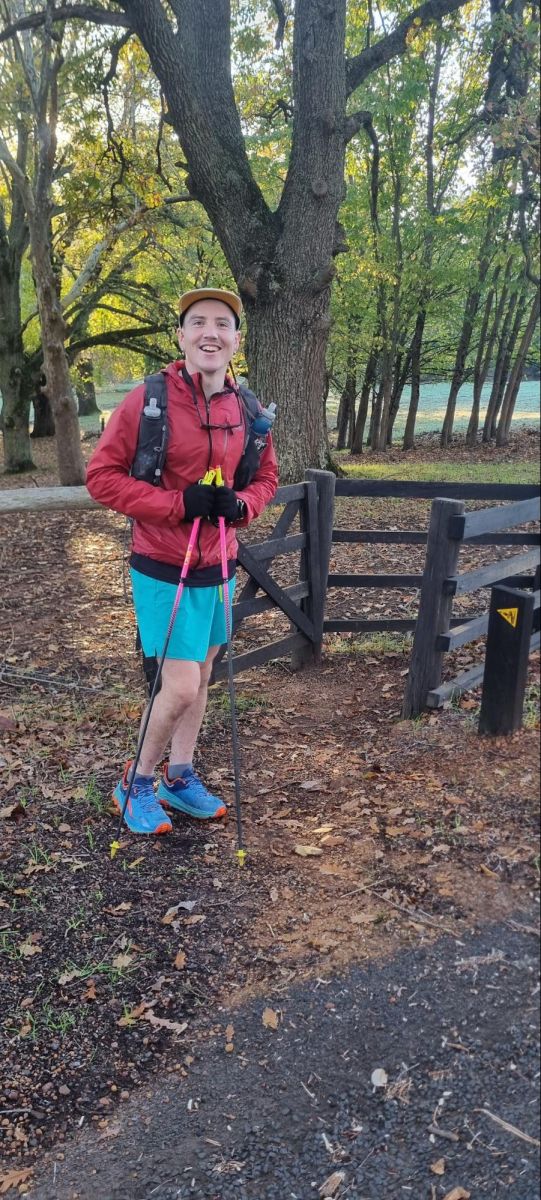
(370, 643)
(444, 470)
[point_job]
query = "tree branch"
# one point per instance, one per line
(77, 12)
(395, 43)
(282, 18)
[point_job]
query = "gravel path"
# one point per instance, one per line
(290, 1110)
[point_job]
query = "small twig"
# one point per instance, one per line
(414, 915)
(443, 1133)
(10, 1111)
(523, 928)
(509, 1128)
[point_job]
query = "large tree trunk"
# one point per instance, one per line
(513, 384)
(71, 466)
(43, 413)
(13, 377)
(286, 347)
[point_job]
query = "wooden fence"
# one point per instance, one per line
(435, 633)
(304, 601)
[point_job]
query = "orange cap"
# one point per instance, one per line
(233, 301)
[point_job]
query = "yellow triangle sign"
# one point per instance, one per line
(510, 615)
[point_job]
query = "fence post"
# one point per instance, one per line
(442, 552)
(506, 660)
(315, 559)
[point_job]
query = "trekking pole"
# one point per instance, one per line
(115, 845)
(241, 851)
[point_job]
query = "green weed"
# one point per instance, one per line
(370, 643)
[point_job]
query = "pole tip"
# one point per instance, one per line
(241, 857)
(115, 846)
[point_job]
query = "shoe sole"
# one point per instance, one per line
(177, 806)
(165, 827)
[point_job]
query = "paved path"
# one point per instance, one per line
(454, 1027)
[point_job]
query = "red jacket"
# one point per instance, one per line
(160, 531)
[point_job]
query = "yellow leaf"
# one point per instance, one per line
(135, 863)
(271, 1019)
(180, 960)
(438, 1168)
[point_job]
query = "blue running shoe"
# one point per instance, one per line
(188, 794)
(143, 813)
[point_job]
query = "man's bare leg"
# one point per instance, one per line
(177, 712)
(186, 729)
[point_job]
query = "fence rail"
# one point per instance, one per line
(449, 528)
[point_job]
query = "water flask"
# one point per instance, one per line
(152, 409)
(264, 421)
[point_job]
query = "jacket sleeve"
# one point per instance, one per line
(108, 476)
(262, 487)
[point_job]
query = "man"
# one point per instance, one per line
(207, 428)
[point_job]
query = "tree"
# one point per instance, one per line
(282, 257)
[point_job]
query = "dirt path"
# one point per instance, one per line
(282, 1102)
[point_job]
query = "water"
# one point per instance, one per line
(433, 402)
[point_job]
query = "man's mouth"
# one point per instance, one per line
(208, 349)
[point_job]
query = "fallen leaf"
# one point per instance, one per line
(324, 829)
(180, 960)
(90, 993)
(131, 1017)
(119, 908)
(438, 1168)
(136, 862)
(11, 810)
(13, 1179)
(332, 1184)
(458, 1193)
(68, 976)
(271, 1019)
(487, 871)
(122, 960)
(312, 785)
(308, 851)
(195, 920)
(27, 949)
(229, 1033)
(273, 894)
(364, 918)
(163, 1023)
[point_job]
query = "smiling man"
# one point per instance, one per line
(208, 427)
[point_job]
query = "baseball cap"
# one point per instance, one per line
(233, 301)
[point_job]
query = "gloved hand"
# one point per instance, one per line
(227, 504)
(198, 501)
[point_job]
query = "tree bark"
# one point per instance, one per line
(13, 379)
(506, 346)
(362, 412)
(346, 424)
(416, 344)
(517, 372)
(86, 389)
(470, 312)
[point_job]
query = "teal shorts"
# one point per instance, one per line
(199, 623)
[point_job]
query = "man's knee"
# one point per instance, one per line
(181, 683)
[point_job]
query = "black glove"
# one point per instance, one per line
(227, 504)
(198, 501)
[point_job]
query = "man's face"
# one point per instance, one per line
(209, 337)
